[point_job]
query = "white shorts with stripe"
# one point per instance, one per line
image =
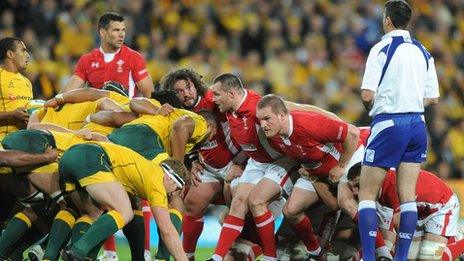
(444, 222)
(277, 171)
(211, 174)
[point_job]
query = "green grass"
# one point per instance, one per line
(124, 252)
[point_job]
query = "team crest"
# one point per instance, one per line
(119, 63)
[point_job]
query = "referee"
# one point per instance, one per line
(399, 81)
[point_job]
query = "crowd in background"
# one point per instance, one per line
(310, 51)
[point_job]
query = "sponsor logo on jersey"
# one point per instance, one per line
(248, 147)
(94, 64)
(19, 97)
(209, 145)
(372, 233)
(340, 131)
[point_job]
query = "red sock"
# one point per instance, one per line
(305, 231)
(230, 231)
(265, 227)
(379, 242)
(191, 228)
(255, 251)
(146, 221)
(453, 251)
(110, 244)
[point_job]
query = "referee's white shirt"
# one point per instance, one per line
(406, 82)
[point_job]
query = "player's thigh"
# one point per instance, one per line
(199, 197)
(112, 195)
(264, 192)
(302, 197)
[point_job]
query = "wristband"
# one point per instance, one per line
(59, 98)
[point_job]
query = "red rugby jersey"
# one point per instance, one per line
(246, 131)
(220, 150)
(431, 193)
(315, 141)
(127, 67)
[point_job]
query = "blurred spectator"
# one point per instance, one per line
(307, 51)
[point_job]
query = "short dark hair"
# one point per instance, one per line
(7, 44)
(208, 116)
(399, 12)
(167, 96)
(229, 81)
(108, 17)
(354, 171)
(275, 102)
(168, 81)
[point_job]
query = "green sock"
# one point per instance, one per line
(176, 220)
(15, 229)
(105, 226)
(59, 234)
(33, 235)
(135, 234)
(79, 229)
(93, 254)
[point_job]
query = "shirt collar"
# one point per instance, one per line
(290, 127)
(101, 50)
(396, 33)
(198, 101)
(243, 100)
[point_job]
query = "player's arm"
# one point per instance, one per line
(76, 96)
(325, 194)
(292, 106)
(108, 104)
(145, 86)
(74, 83)
(182, 130)
(168, 233)
(15, 158)
(143, 106)
(18, 114)
(367, 97)
(49, 126)
(349, 147)
(112, 118)
(346, 200)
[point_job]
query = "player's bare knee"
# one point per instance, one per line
(256, 203)
(127, 214)
(291, 213)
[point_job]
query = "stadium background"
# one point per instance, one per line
(310, 51)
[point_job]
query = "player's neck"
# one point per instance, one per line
(9, 67)
(106, 48)
(285, 130)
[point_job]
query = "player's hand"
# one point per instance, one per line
(235, 171)
(85, 134)
(53, 103)
(305, 174)
(21, 114)
(336, 173)
(165, 109)
(196, 171)
(50, 154)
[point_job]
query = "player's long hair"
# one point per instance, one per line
(168, 81)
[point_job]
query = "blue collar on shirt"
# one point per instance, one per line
(396, 33)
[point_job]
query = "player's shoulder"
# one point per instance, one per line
(381, 46)
(126, 50)
(92, 55)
